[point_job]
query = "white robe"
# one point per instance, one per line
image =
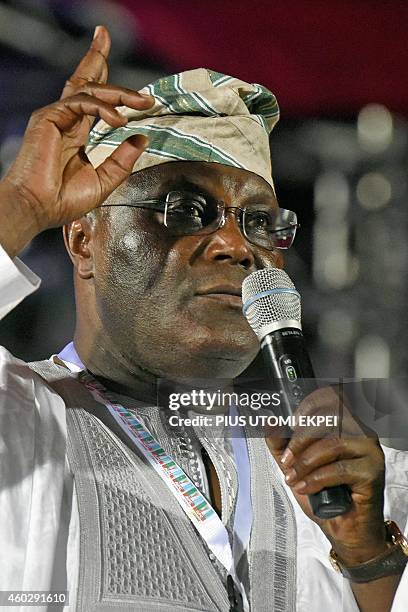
(38, 505)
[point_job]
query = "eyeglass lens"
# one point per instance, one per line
(187, 213)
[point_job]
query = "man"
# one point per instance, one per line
(160, 244)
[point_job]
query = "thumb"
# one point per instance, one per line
(119, 165)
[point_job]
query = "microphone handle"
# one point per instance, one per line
(288, 363)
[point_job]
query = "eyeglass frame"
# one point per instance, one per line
(157, 204)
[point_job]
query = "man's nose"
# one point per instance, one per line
(229, 244)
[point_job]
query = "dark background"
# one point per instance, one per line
(340, 151)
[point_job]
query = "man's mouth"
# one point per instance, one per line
(230, 295)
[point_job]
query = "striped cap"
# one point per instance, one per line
(198, 115)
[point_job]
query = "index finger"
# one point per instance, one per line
(277, 438)
(325, 414)
(93, 66)
(314, 419)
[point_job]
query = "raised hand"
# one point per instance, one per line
(51, 182)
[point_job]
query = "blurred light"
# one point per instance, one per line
(372, 358)
(336, 329)
(333, 266)
(337, 270)
(335, 144)
(375, 128)
(331, 195)
(331, 257)
(374, 191)
(27, 34)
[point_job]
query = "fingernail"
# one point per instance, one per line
(287, 457)
(96, 32)
(299, 486)
(143, 143)
(291, 476)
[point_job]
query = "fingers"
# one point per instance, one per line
(277, 440)
(328, 418)
(283, 443)
(118, 96)
(90, 78)
(118, 166)
(328, 462)
(66, 113)
(91, 75)
(79, 106)
(299, 442)
(320, 456)
(322, 452)
(93, 66)
(345, 472)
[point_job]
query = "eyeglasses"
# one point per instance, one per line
(186, 214)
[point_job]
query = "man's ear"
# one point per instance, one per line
(78, 242)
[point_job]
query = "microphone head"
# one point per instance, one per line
(270, 301)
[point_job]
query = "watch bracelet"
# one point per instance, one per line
(388, 563)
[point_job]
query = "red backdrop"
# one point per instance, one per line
(318, 56)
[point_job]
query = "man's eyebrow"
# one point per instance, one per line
(182, 183)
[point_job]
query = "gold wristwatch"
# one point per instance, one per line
(392, 561)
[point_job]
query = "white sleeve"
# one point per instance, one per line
(33, 479)
(16, 282)
(396, 508)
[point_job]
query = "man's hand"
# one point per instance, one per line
(348, 456)
(316, 459)
(51, 181)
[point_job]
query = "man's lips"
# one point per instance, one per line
(227, 294)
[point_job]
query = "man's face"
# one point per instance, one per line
(169, 304)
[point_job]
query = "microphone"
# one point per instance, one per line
(272, 307)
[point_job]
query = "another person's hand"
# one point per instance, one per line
(313, 459)
(51, 182)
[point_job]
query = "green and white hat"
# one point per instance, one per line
(198, 115)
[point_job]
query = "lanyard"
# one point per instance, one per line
(194, 504)
(202, 515)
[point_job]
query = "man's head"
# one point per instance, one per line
(150, 301)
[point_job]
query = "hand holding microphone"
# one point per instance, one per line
(272, 307)
(342, 476)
